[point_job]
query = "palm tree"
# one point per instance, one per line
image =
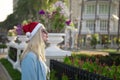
(95, 16)
(27, 9)
(118, 34)
(80, 27)
(70, 9)
(108, 24)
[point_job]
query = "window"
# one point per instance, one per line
(103, 8)
(90, 25)
(103, 25)
(90, 9)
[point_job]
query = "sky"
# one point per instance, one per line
(6, 8)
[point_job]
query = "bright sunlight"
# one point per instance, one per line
(6, 8)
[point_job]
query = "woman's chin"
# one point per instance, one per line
(46, 40)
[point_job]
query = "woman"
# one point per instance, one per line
(33, 59)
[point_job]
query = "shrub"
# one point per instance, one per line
(95, 66)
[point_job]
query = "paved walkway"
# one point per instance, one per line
(3, 72)
(91, 52)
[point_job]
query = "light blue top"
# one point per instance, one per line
(32, 68)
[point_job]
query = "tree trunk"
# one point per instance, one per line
(80, 27)
(118, 34)
(70, 38)
(108, 24)
(95, 16)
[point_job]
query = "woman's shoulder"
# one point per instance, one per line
(31, 55)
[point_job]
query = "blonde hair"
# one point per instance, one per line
(36, 45)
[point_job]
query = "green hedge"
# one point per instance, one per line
(3, 46)
(15, 74)
(97, 64)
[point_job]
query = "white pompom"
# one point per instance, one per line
(28, 34)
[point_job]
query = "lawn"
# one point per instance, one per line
(15, 74)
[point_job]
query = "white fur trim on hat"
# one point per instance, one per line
(30, 35)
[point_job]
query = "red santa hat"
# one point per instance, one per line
(31, 29)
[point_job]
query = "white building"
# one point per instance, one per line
(100, 15)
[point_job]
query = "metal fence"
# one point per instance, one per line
(73, 73)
